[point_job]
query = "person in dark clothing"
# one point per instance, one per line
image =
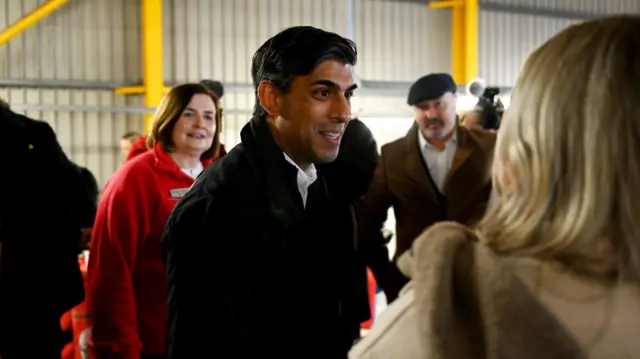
(218, 89)
(91, 191)
(353, 169)
(260, 253)
(42, 212)
(349, 176)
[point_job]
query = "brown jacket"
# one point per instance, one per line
(403, 182)
(464, 303)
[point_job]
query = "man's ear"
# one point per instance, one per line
(270, 98)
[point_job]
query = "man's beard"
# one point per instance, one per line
(433, 120)
(435, 134)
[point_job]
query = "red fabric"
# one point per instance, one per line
(371, 286)
(126, 275)
(138, 147)
(68, 352)
(65, 321)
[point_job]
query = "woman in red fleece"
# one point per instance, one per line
(140, 145)
(126, 274)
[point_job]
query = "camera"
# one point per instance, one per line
(490, 108)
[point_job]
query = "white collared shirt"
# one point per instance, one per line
(304, 178)
(193, 172)
(438, 162)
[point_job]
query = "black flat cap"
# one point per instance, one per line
(430, 87)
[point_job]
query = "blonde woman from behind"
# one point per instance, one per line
(553, 269)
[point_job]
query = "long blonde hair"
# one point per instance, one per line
(566, 171)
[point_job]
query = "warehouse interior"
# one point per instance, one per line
(95, 69)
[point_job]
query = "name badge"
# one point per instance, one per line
(178, 192)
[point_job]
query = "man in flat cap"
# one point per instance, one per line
(438, 172)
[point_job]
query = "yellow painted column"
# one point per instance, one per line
(464, 38)
(152, 56)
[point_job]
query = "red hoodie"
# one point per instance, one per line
(126, 275)
(140, 146)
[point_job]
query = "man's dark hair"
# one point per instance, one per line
(294, 52)
(131, 136)
(4, 104)
(214, 86)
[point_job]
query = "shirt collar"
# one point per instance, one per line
(304, 178)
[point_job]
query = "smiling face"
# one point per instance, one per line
(195, 128)
(308, 120)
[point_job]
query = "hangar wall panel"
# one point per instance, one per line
(506, 39)
(93, 41)
(396, 41)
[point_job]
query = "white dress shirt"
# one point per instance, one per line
(304, 178)
(438, 162)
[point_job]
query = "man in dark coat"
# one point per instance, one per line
(261, 256)
(43, 209)
(438, 172)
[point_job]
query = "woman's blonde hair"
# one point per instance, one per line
(566, 171)
(170, 110)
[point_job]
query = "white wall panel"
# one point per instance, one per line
(98, 42)
(84, 40)
(216, 39)
(591, 7)
(91, 40)
(506, 39)
(90, 138)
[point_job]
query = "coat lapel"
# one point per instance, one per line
(470, 168)
(415, 167)
(265, 157)
(417, 170)
(465, 147)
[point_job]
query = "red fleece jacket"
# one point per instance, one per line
(126, 275)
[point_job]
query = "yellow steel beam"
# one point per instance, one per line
(137, 90)
(445, 4)
(30, 19)
(470, 41)
(464, 38)
(152, 62)
(458, 43)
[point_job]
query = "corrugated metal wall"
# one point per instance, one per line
(396, 42)
(506, 39)
(93, 42)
